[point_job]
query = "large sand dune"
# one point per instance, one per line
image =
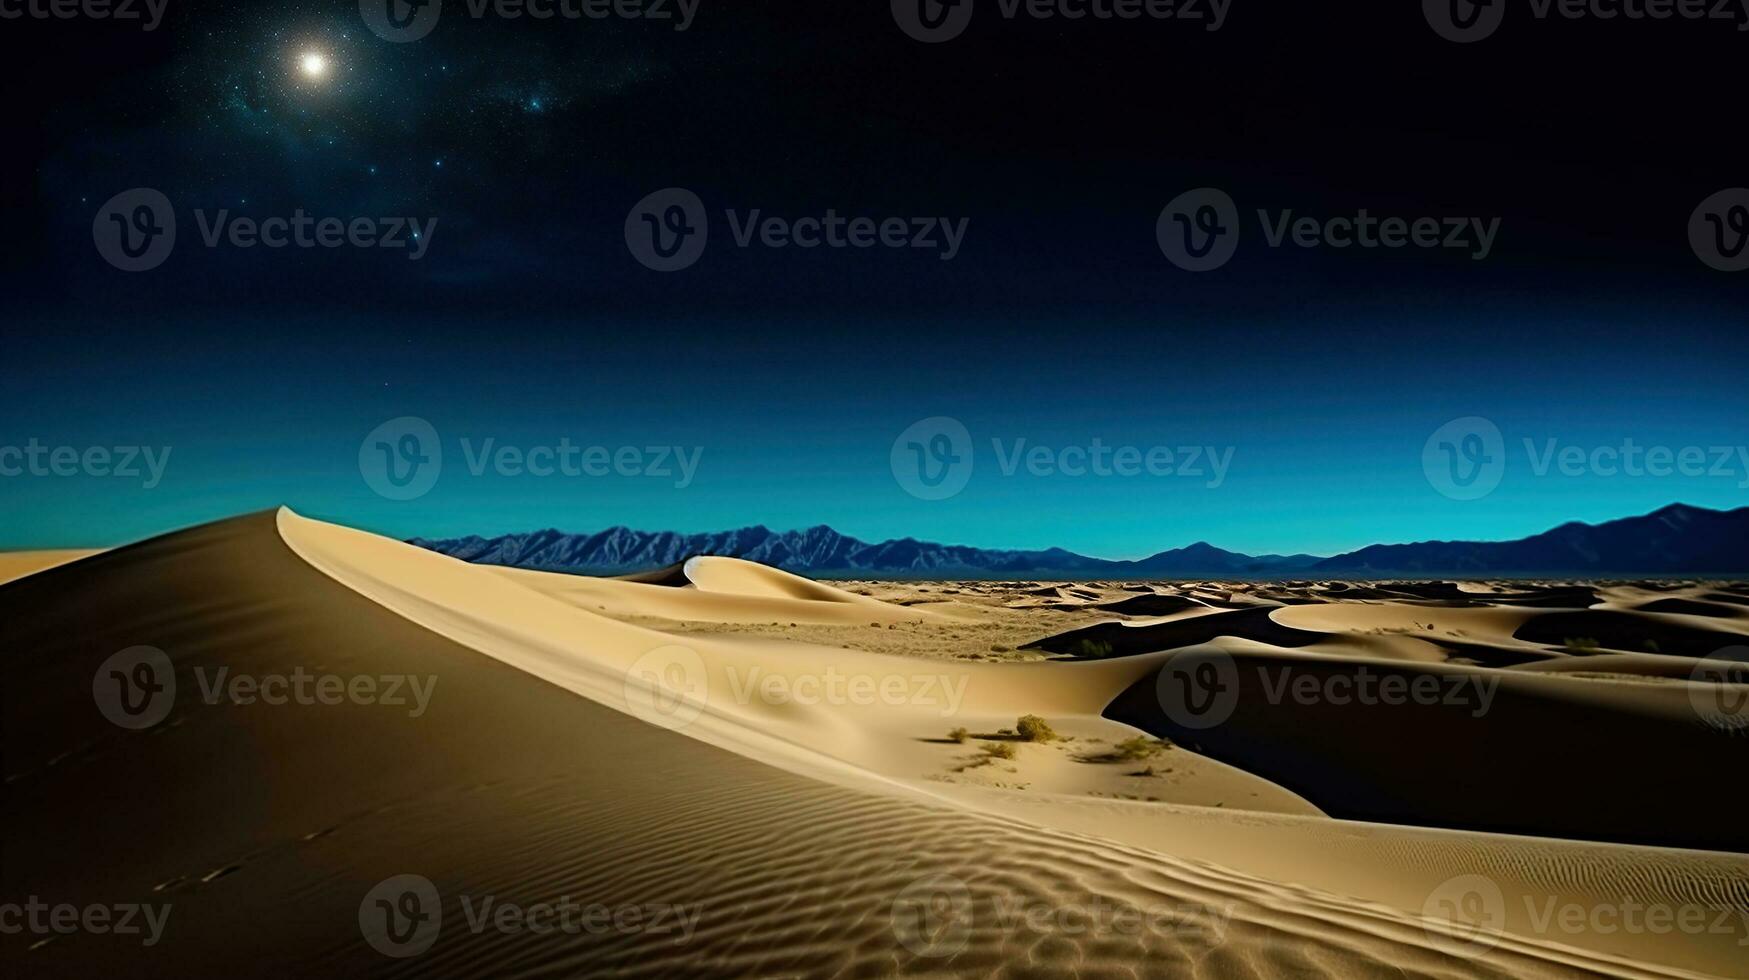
(758, 761)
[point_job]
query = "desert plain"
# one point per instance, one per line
(300, 749)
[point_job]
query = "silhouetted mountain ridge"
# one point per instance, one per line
(1676, 540)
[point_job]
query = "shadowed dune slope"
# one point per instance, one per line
(1152, 604)
(1628, 631)
(1502, 751)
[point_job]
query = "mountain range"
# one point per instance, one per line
(1675, 540)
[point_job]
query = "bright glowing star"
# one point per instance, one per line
(313, 64)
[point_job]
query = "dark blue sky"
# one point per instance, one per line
(1323, 372)
(1325, 424)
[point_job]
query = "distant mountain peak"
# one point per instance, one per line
(1678, 539)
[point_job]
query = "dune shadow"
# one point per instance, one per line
(1539, 755)
(1625, 631)
(1121, 640)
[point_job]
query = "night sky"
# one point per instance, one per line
(526, 319)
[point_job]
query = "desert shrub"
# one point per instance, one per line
(1135, 749)
(1000, 648)
(959, 734)
(999, 750)
(1582, 644)
(1032, 728)
(1090, 649)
